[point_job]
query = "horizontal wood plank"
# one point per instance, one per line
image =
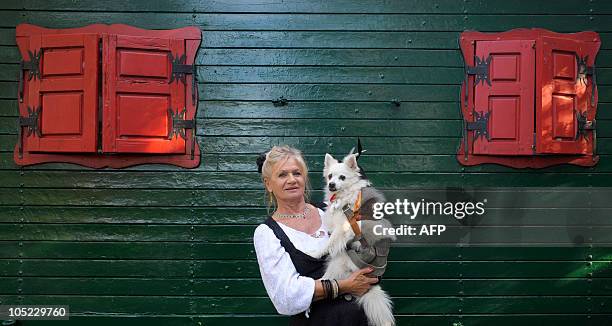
(239, 287)
(315, 22)
(249, 269)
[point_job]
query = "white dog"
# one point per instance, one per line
(345, 182)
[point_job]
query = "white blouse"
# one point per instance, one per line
(290, 293)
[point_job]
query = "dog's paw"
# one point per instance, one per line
(356, 245)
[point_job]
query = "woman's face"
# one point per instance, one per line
(287, 181)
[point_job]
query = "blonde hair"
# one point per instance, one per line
(280, 154)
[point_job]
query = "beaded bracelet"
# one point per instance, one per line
(337, 287)
(331, 289)
(328, 290)
(324, 284)
(323, 287)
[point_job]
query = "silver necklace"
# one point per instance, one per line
(299, 215)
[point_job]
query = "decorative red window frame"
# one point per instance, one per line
(561, 86)
(116, 96)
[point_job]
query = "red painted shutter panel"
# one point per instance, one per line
(509, 101)
(563, 97)
(138, 95)
(66, 93)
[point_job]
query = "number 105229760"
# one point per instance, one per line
(34, 312)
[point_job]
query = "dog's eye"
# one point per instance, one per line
(329, 176)
(342, 177)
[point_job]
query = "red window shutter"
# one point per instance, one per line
(140, 95)
(538, 105)
(564, 97)
(65, 95)
(508, 102)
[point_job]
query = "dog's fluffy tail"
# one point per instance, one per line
(378, 307)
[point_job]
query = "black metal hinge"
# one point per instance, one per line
(480, 72)
(180, 71)
(480, 128)
(178, 125)
(31, 122)
(583, 71)
(584, 125)
(33, 68)
(479, 125)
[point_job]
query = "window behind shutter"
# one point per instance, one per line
(508, 102)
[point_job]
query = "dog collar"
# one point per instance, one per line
(357, 204)
(353, 216)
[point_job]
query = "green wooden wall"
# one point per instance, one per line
(160, 245)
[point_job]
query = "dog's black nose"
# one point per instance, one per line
(331, 186)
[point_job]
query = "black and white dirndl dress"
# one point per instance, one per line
(342, 311)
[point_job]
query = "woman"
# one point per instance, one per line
(292, 278)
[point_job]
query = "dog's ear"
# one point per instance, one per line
(329, 160)
(351, 161)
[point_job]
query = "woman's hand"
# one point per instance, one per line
(358, 283)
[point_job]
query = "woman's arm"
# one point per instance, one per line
(358, 284)
(290, 292)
